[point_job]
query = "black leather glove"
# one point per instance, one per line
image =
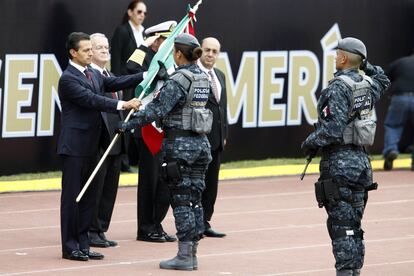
(367, 67)
(162, 72)
(363, 65)
(122, 127)
(370, 69)
(309, 151)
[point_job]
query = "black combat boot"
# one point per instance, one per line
(345, 272)
(195, 262)
(183, 260)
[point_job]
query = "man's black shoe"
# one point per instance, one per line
(92, 255)
(75, 255)
(213, 234)
(151, 237)
(95, 240)
(389, 159)
(111, 243)
(168, 238)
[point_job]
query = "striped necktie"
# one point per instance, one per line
(88, 75)
(214, 86)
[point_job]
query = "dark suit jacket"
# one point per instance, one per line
(81, 103)
(123, 45)
(111, 121)
(220, 124)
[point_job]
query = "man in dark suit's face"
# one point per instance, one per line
(82, 56)
(211, 50)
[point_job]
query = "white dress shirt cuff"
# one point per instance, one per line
(120, 104)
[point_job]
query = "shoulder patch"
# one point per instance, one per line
(326, 112)
(137, 56)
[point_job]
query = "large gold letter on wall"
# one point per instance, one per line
(271, 88)
(18, 95)
(50, 73)
(328, 42)
(243, 92)
(303, 81)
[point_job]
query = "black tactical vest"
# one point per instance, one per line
(193, 115)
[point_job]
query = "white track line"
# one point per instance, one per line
(215, 255)
(306, 226)
(331, 269)
(226, 183)
(313, 208)
(220, 198)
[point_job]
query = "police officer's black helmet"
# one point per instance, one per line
(353, 45)
(187, 39)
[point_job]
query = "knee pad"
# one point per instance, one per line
(180, 197)
(355, 230)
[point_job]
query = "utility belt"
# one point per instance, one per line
(335, 148)
(171, 169)
(327, 192)
(171, 134)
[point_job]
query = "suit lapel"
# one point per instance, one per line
(81, 76)
(212, 98)
(131, 34)
(94, 80)
(221, 80)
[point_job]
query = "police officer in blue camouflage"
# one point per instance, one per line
(180, 110)
(345, 126)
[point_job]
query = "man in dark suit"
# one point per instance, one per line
(152, 194)
(81, 95)
(108, 175)
(217, 103)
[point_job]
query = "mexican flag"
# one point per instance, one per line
(152, 135)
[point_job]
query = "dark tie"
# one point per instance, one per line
(214, 85)
(88, 75)
(114, 95)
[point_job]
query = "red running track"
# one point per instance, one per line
(273, 227)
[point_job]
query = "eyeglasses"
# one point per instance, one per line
(101, 47)
(141, 11)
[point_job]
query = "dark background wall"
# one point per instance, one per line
(41, 27)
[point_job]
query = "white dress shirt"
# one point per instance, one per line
(77, 66)
(139, 38)
(218, 84)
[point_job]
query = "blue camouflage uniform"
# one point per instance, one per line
(192, 153)
(347, 165)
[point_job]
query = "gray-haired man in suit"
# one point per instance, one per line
(217, 103)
